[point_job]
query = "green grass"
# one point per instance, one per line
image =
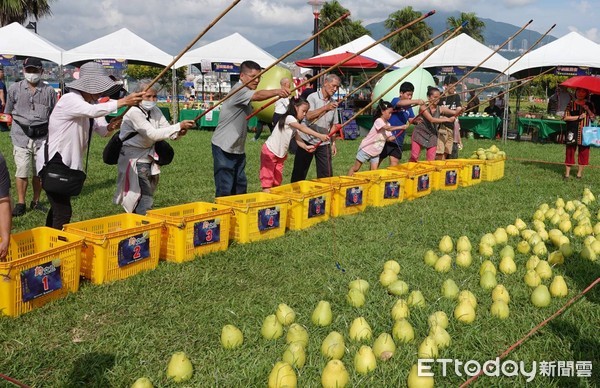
(109, 335)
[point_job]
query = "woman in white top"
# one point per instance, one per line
(69, 128)
(274, 152)
(143, 126)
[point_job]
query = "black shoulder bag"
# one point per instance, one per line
(59, 178)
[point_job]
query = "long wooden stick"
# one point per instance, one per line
(354, 55)
(519, 57)
(189, 46)
(281, 58)
(339, 127)
(389, 67)
(513, 36)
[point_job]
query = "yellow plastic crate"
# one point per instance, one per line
(446, 175)
(117, 247)
(193, 229)
(310, 203)
(386, 187)
(471, 171)
(256, 216)
(493, 170)
(42, 265)
(349, 194)
(419, 179)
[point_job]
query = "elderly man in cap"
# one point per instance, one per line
(30, 103)
(75, 115)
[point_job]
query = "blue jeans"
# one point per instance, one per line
(229, 172)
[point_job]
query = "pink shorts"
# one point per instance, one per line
(271, 168)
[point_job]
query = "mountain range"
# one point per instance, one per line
(494, 33)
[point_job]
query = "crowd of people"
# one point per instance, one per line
(50, 135)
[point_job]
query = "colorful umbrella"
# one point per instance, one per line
(588, 82)
(358, 62)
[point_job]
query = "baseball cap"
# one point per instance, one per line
(32, 62)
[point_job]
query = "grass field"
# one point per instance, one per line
(109, 335)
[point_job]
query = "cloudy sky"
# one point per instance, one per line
(172, 24)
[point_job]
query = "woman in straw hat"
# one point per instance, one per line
(69, 128)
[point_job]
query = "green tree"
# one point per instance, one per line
(343, 32)
(474, 27)
(143, 72)
(21, 10)
(410, 38)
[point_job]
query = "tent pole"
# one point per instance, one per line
(175, 99)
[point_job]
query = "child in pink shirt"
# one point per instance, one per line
(274, 152)
(372, 145)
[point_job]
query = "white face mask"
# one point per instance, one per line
(33, 78)
(147, 105)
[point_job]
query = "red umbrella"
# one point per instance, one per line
(358, 62)
(588, 82)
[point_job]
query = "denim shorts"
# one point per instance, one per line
(363, 157)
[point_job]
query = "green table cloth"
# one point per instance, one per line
(484, 126)
(544, 127)
(210, 120)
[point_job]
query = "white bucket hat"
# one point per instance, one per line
(93, 79)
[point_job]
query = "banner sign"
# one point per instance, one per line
(423, 182)
(134, 248)
(452, 70)
(354, 196)
(391, 190)
(226, 67)
(268, 218)
(40, 280)
(351, 130)
(207, 232)
(205, 65)
(316, 207)
(572, 70)
(8, 60)
(109, 63)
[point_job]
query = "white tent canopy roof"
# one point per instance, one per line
(570, 50)
(121, 44)
(233, 49)
(379, 52)
(461, 50)
(18, 40)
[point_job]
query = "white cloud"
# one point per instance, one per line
(518, 3)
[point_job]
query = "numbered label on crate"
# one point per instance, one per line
(268, 218)
(207, 232)
(451, 178)
(423, 182)
(134, 248)
(391, 190)
(316, 206)
(354, 196)
(476, 172)
(40, 280)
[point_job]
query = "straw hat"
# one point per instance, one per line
(93, 79)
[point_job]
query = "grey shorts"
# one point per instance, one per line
(25, 159)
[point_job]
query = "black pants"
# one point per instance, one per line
(304, 158)
(60, 210)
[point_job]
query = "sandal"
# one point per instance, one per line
(566, 177)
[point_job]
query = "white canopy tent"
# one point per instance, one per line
(379, 52)
(18, 40)
(232, 49)
(121, 44)
(569, 50)
(461, 51)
